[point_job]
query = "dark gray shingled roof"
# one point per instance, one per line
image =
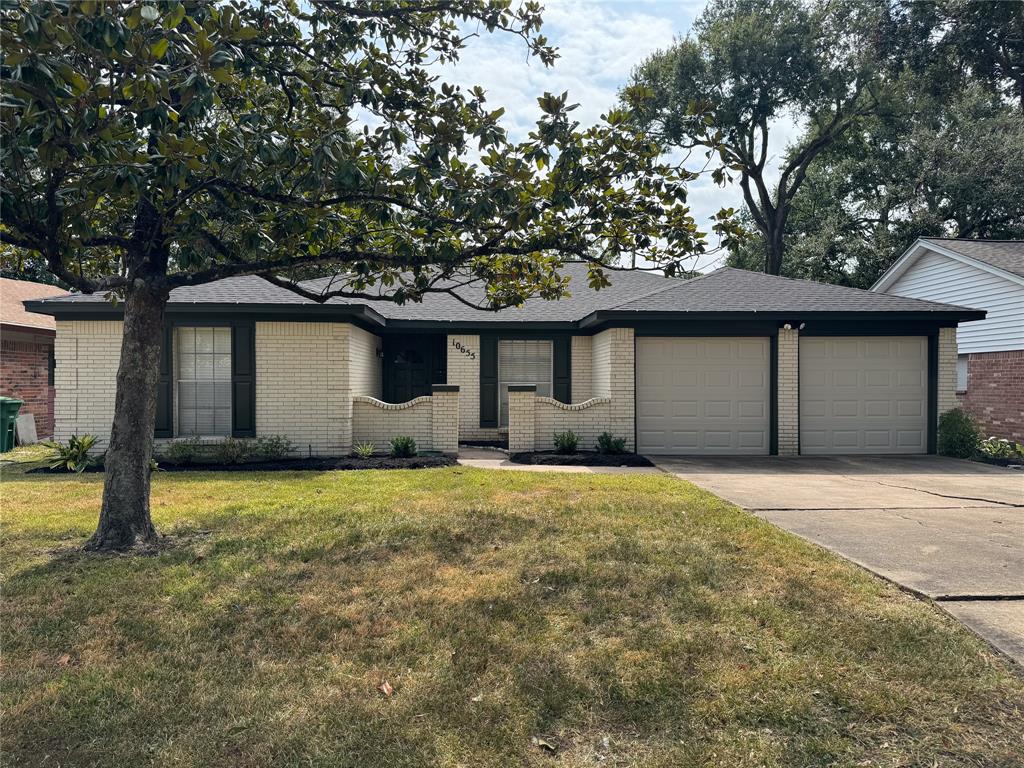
(724, 290)
(1007, 255)
(737, 290)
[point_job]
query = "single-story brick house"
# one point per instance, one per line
(26, 350)
(732, 362)
(989, 275)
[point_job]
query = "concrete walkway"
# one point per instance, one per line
(494, 458)
(950, 530)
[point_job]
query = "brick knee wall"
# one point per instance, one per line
(995, 392)
(24, 374)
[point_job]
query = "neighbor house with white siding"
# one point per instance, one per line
(984, 274)
(731, 362)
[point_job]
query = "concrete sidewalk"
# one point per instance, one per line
(947, 529)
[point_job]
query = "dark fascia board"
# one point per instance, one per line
(367, 317)
(106, 311)
(831, 318)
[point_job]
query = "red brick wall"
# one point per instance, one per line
(995, 392)
(24, 373)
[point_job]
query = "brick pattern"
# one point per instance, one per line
(24, 374)
(521, 419)
(87, 354)
(445, 421)
(464, 372)
(366, 366)
(302, 385)
(788, 395)
(587, 419)
(995, 392)
(613, 378)
(582, 371)
(377, 422)
(947, 370)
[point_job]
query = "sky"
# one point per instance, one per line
(599, 44)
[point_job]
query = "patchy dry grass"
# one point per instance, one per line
(630, 620)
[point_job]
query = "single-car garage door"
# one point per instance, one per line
(864, 394)
(702, 395)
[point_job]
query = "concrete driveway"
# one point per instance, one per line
(947, 529)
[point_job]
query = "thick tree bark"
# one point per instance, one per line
(124, 517)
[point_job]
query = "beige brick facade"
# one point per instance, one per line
(582, 371)
(521, 419)
(305, 373)
(613, 378)
(432, 421)
(587, 419)
(788, 394)
(947, 370)
(464, 372)
(86, 353)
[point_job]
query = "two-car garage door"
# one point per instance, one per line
(702, 395)
(711, 395)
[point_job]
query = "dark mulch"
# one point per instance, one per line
(581, 459)
(984, 459)
(292, 465)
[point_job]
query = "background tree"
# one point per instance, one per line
(945, 157)
(150, 145)
(748, 63)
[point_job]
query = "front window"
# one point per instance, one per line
(961, 373)
(204, 381)
(522, 362)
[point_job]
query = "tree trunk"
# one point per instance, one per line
(124, 517)
(774, 247)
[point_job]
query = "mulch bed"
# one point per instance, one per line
(291, 465)
(983, 459)
(581, 459)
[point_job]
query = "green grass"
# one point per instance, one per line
(628, 620)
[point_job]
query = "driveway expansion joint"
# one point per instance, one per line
(977, 598)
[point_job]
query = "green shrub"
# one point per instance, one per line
(363, 450)
(608, 443)
(72, 456)
(231, 450)
(566, 442)
(272, 447)
(403, 447)
(1000, 448)
(182, 452)
(959, 435)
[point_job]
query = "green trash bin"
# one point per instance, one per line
(9, 407)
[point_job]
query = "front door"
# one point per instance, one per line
(411, 365)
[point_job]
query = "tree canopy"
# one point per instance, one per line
(748, 63)
(943, 157)
(150, 145)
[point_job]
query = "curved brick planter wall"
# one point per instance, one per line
(432, 421)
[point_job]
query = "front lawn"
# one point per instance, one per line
(616, 620)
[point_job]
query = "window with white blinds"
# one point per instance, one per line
(203, 369)
(522, 361)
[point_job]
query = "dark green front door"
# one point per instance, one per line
(412, 363)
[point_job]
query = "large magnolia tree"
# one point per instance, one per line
(150, 145)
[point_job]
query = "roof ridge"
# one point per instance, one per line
(671, 285)
(973, 239)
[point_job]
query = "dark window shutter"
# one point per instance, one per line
(489, 381)
(243, 379)
(164, 409)
(561, 384)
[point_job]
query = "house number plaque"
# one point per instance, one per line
(464, 349)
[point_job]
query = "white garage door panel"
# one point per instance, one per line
(702, 395)
(864, 394)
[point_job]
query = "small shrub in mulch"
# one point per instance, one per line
(581, 459)
(294, 465)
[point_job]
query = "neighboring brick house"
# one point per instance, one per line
(984, 274)
(26, 350)
(732, 362)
